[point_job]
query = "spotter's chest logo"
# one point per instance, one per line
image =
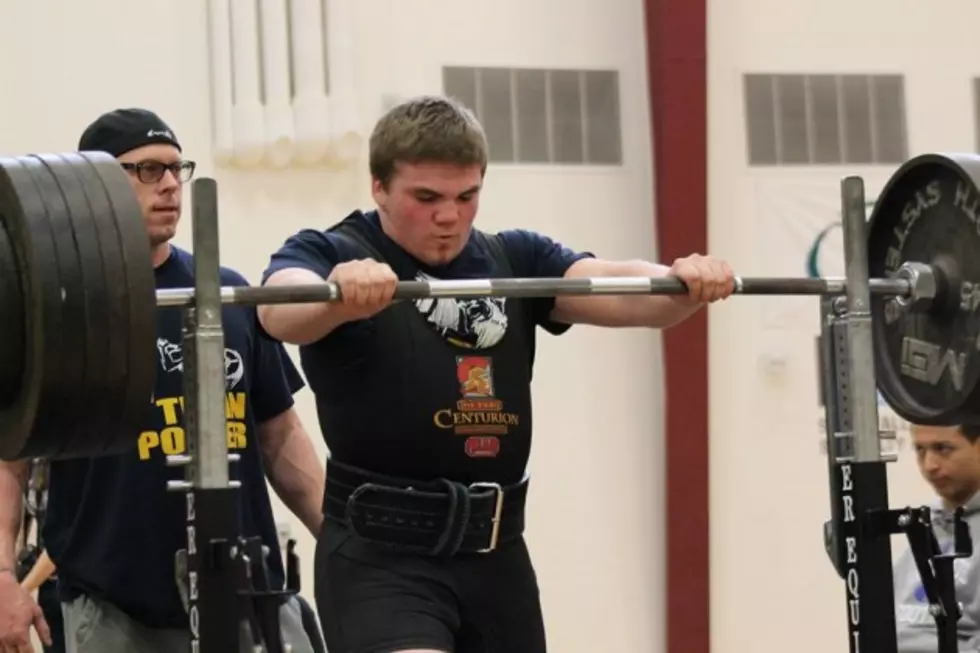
(478, 413)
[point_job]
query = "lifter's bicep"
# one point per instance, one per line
(308, 249)
(294, 277)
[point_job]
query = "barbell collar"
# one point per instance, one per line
(529, 287)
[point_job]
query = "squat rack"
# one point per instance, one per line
(227, 582)
(858, 535)
(229, 598)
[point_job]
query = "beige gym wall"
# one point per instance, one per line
(596, 506)
(773, 588)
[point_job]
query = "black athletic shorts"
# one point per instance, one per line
(375, 601)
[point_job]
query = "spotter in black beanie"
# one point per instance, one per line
(122, 130)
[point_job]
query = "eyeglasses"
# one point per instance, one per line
(150, 172)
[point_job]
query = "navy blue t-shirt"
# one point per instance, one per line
(112, 528)
(388, 358)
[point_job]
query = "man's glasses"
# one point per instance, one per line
(150, 172)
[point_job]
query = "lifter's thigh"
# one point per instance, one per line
(501, 603)
(516, 629)
(370, 601)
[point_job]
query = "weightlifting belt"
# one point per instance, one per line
(435, 518)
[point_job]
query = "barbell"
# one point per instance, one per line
(78, 299)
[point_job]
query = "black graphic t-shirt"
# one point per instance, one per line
(432, 387)
(112, 528)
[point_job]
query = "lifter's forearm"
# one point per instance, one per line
(293, 468)
(653, 311)
(13, 482)
(298, 324)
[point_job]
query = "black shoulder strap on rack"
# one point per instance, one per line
(358, 239)
(496, 247)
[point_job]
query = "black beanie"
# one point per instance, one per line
(122, 130)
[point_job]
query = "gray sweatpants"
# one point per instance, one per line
(93, 626)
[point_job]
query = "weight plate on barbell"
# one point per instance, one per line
(139, 280)
(116, 292)
(11, 320)
(82, 259)
(39, 402)
(68, 270)
(927, 361)
(102, 394)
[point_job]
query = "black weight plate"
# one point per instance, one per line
(927, 362)
(100, 401)
(140, 283)
(12, 342)
(117, 377)
(67, 270)
(39, 406)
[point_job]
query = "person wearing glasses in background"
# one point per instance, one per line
(112, 529)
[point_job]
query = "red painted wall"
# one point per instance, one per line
(676, 54)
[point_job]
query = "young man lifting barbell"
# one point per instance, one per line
(430, 568)
(112, 529)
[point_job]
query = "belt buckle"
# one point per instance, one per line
(497, 510)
